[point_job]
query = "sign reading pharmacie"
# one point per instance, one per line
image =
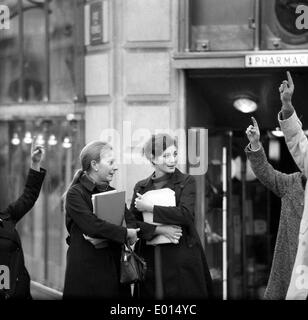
(276, 60)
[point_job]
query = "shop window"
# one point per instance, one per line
(221, 25)
(42, 230)
(38, 52)
(61, 33)
(9, 56)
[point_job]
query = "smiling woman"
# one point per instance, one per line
(176, 268)
(93, 272)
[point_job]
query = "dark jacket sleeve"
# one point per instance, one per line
(183, 213)
(78, 209)
(26, 201)
(274, 180)
(147, 230)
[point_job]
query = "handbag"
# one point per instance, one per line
(132, 267)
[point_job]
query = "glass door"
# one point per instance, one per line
(233, 209)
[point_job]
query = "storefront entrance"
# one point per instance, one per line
(239, 214)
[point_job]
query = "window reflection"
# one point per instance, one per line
(221, 25)
(40, 59)
(61, 29)
(9, 57)
(34, 54)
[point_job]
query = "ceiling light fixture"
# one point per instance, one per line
(15, 140)
(277, 133)
(245, 104)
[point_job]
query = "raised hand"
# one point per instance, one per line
(253, 134)
(37, 152)
(286, 90)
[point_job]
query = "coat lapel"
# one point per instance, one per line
(176, 183)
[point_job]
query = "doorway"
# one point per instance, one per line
(240, 215)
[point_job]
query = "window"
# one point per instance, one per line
(40, 52)
(221, 25)
(42, 230)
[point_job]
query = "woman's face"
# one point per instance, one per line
(106, 167)
(167, 161)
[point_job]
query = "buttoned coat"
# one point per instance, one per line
(185, 272)
(91, 272)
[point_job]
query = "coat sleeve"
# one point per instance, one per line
(274, 180)
(147, 230)
(183, 213)
(79, 211)
(26, 201)
(296, 140)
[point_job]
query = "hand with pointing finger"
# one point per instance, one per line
(286, 90)
(253, 134)
(37, 152)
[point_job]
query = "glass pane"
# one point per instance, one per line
(250, 252)
(214, 213)
(221, 24)
(34, 51)
(9, 56)
(240, 260)
(62, 76)
(4, 164)
(278, 28)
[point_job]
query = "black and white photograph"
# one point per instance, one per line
(153, 153)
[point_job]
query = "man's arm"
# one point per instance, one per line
(26, 201)
(274, 180)
(291, 126)
(31, 192)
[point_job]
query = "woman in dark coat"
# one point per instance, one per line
(11, 253)
(176, 270)
(93, 256)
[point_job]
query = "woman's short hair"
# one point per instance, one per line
(157, 144)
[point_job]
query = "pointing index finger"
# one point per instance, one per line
(290, 80)
(255, 123)
(33, 144)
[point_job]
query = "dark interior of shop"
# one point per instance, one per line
(210, 96)
(212, 93)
